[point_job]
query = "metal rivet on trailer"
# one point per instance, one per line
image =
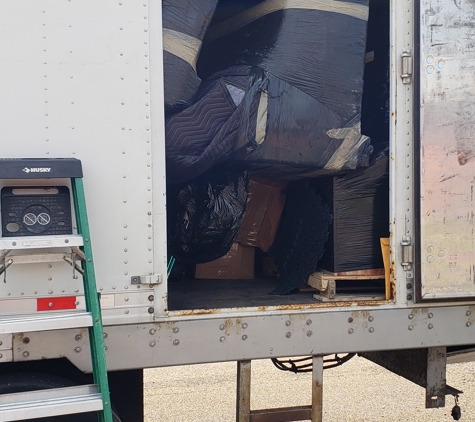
(176, 330)
(351, 331)
(430, 315)
(26, 340)
(468, 324)
(468, 313)
(309, 333)
(350, 319)
(222, 339)
(50, 304)
(244, 337)
(288, 334)
(78, 337)
(126, 311)
(176, 342)
(151, 310)
(411, 316)
(14, 243)
(76, 303)
(50, 278)
(370, 318)
(371, 330)
(152, 343)
(77, 349)
(66, 240)
(25, 354)
(430, 326)
(287, 323)
(409, 297)
(126, 299)
(126, 287)
(50, 292)
(308, 322)
(152, 331)
(244, 325)
(151, 298)
(76, 290)
(222, 327)
(408, 286)
(410, 328)
(50, 266)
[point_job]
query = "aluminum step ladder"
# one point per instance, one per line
(67, 400)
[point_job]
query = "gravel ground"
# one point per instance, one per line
(355, 392)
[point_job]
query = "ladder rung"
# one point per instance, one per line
(39, 242)
(38, 258)
(51, 402)
(45, 322)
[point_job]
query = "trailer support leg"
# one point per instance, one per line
(436, 377)
(243, 391)
(314, 412)
(317, 389)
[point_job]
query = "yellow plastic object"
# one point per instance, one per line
(385, 252)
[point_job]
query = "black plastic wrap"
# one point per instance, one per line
(205, 133)
(360, 205)
(302, 107)
(249, 115)
(319, 48)
(283, 126)
(184, 26)
(375, 103)
(300, 241)
(207, 214)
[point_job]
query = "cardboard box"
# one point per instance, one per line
(238, 263)
(263, 211)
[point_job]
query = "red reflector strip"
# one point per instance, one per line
(55, 303)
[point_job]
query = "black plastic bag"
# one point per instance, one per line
(207, 214)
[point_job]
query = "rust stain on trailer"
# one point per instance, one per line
(293, 307)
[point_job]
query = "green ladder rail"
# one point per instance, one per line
(96, 333)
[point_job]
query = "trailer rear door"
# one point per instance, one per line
(447, 148)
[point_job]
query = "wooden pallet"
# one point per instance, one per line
(326, 284)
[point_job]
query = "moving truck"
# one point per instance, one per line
(81, 99)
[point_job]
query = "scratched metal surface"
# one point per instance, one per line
(447, 69)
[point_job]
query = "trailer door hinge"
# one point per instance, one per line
(407, 253)
(147, 279)
(406, 60)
